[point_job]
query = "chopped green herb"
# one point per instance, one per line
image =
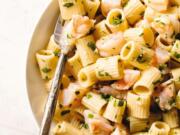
(138, 99)
(56, 53)
(90, 115)
(141, 58)
(117, 20)
(171, 102)
(46, 70)
(105, 96)
(65, 112)
(121, 103)
(85, 125)
(70, 4)
(59, 126)
(127, 47)
(162, 66)
(177, 55)
(141, 34)
(91, 45)
(77, 92)
(89, 96)
(103, 73)
(69, 36)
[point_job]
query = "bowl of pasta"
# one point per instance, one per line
(122, 76)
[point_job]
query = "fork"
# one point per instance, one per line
(54, 90)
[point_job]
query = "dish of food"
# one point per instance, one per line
(123, 75)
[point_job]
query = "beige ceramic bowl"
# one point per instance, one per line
(35, 85)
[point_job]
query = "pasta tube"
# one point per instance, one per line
(163, 26)
(115, 110)
(116, 20)
(101, 30)
(109, 68)
(87, 76)
(137, 125)
(91, 7)
(47, 62)
(175, 131)
(52, 45)
(85, 48)
(64, 83)
(138, 105)
(159, 5)
(159, 128)
(134, 11)
(142, 35)
(171, 118)
(94, 102)
(160, 42)
(74, 65)
(146, 82)
(68, 8)
(176, 77)
(107, 5)
(65, 128)
(175, 51)
(137, 55)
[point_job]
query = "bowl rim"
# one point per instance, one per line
(34, 33)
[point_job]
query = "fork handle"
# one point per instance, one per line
(52, 98)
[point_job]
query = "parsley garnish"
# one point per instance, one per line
(90, 115)
(89, 96)
(91, 45)
(46, 70)
(117, 20)
(177, 55)
(105, 96)
(70, 4)
(141, 58)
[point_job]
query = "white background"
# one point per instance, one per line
(17, 22)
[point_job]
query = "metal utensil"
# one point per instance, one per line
(54, 91)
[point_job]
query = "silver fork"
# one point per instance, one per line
(54, 91)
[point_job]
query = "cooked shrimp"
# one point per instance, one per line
(162, 56)
(166, 96)
(97, 124)
(107, 5)
(130, 77)
(81, 25)
(111, 44)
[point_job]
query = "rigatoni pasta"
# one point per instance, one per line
(137, 55)
(47, 62)
(134, 11)
(138, 105)
(145, 84)
(94, 102)
(116, 20)
(109, 68)
(115, 110)
(122, 75)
